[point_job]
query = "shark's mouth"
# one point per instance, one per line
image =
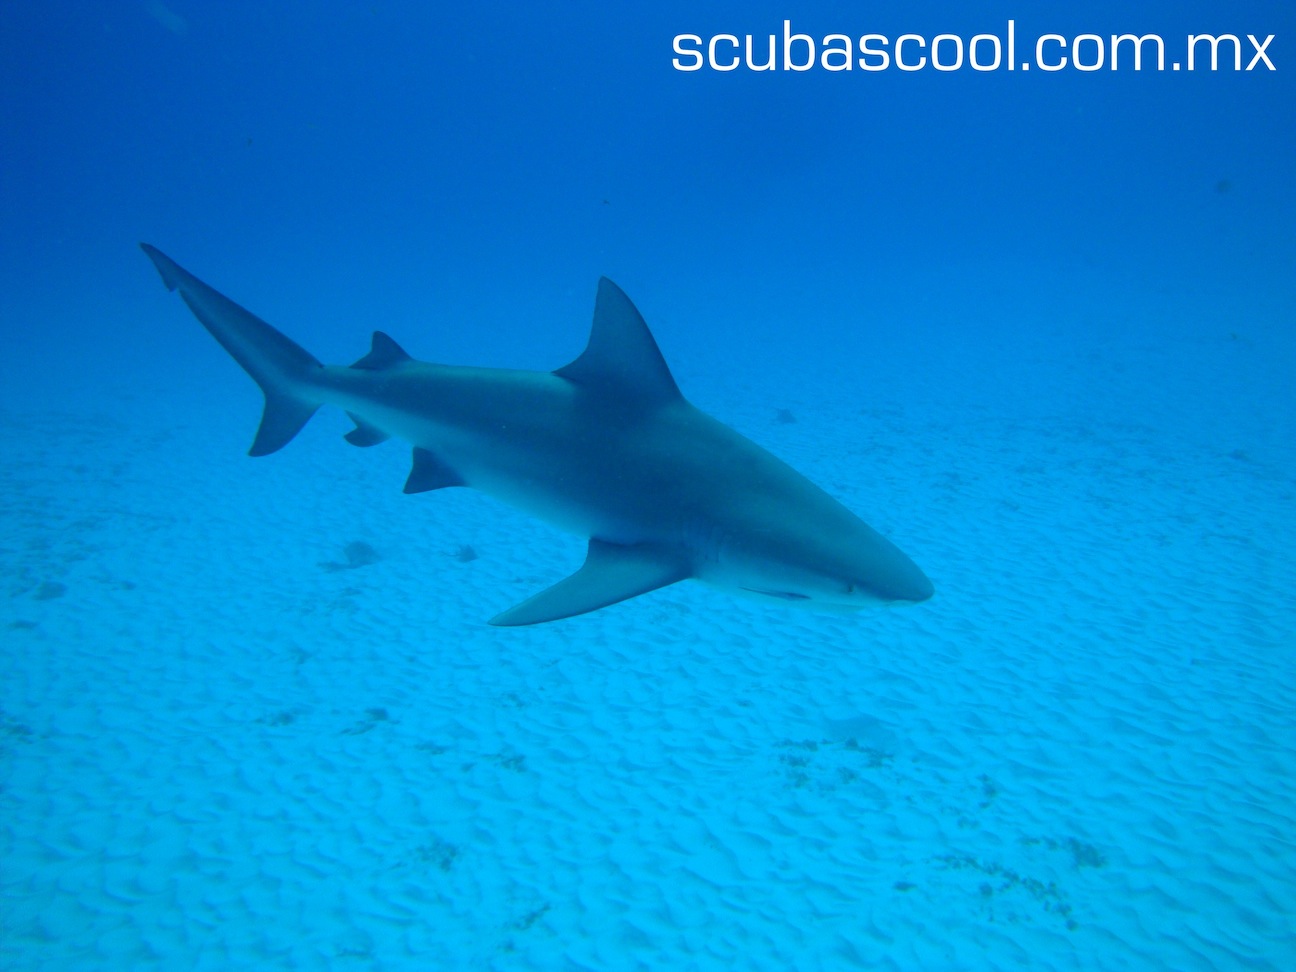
(781, 595)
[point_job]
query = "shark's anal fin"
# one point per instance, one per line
(611, 573)
(429, 472)
(383, 353)
(365, 434)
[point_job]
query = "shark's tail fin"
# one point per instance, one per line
(282, 368)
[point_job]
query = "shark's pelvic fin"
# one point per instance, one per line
(611, 573)
(278, 364)
(383, 353)
(622, 358)
(430, 472)
(364, 434)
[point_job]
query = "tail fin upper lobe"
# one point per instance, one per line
(279, 365)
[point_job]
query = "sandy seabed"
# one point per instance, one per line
(227, 741)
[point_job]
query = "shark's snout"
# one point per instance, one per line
(917, 588)
(902, 581)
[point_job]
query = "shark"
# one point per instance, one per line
(605, 447)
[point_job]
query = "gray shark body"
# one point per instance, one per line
(606, 448)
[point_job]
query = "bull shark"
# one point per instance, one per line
(605, 447)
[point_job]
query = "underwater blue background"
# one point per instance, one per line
(1038, 329)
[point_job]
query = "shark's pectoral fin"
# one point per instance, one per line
(365, 434)
(611, 573)
(429, 472)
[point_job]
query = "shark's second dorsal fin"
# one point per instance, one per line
(383, 353)
(621, 358)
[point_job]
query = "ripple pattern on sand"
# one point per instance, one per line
(216, 754)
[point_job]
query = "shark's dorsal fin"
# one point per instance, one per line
(612, 572)
(621, 358)
(429, 472)
(383, 353)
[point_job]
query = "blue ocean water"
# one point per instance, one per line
(1036, 327)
